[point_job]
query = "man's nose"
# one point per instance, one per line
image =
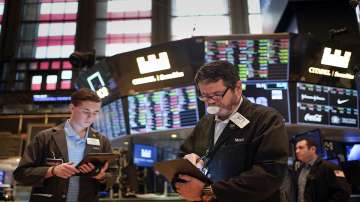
(210, 101)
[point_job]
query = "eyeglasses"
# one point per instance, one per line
(213, 97)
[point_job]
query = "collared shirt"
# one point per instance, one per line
(302, 180)
(76, 147)
(221, 124)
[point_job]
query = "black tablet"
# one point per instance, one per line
(171, 169)
(99, 158)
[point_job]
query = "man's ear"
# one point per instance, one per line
(313, 149)
(239, 85)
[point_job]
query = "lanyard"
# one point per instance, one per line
(210, 152)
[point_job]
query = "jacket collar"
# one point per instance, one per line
(60, 140)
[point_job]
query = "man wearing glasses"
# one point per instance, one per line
(242, 147)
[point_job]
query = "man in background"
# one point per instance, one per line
(317, 179)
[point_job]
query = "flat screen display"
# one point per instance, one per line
(163, 110)
(110, 120)
(257, 58)
(317, 104)
(165, 65)
(144, 155)
(2, 177)
(272, 94)
(100, 79)
(353, 152)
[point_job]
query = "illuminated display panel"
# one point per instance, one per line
(257, 58)
(317, 104)
(273, 94)
(97, 78)
(110, 121)
(144, 155)
(2, 6)
(48, 29)
(329, 64)
(47, 75)
(184, 57)
(163, 110)
(122, 26)
(353, 152)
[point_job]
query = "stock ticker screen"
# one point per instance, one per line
(110, 121)
(163, 110)
(317, 104)
(274, 94)
(256, 59)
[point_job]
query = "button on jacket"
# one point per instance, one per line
(50, 144)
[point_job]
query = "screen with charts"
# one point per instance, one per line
(317, 104)
(144, 155)
(272, 94)
(264, 58)
(110, 121)
(163, 110)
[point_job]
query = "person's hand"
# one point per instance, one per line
(195, 160)
(86, 167)
(191, 189)
(65, 170)
(101, 175)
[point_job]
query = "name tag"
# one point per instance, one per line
(239, 120)
(93, 141)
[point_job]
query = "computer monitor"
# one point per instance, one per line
(353, 152)
(314, 135)
(110, 120)
(257, 57)
(161, 110)
(325, 105)
(144, 155)
(270, 94)
(164, 65)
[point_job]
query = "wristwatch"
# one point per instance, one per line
(207, 194)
